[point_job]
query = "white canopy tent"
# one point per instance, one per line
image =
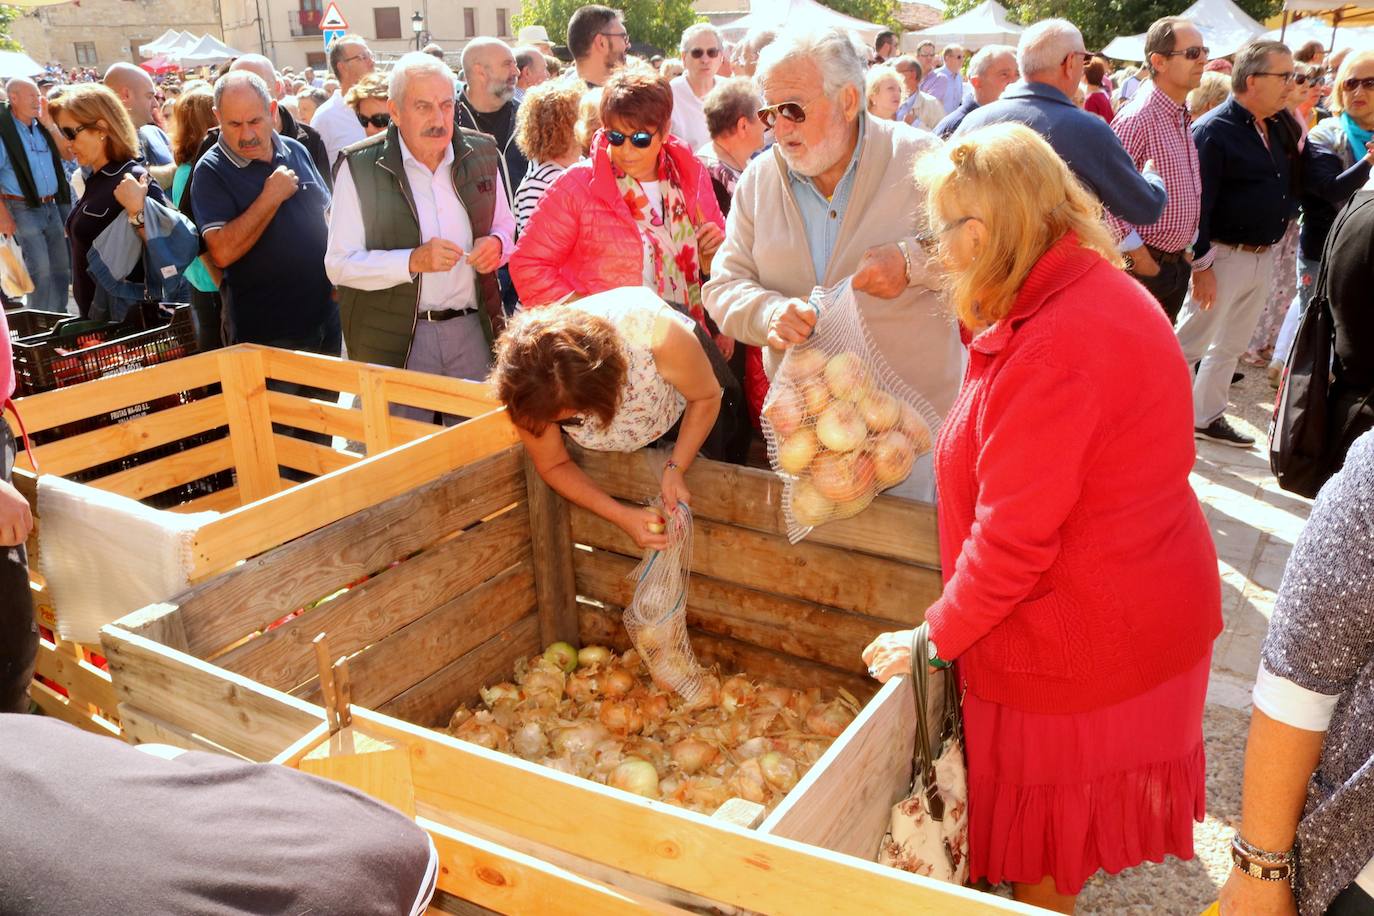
(985, 24)
(184, 41)
(208, 51)
(159, 44)
(1224, 26)
(1297, 34)
(807, 14)
(17, 63)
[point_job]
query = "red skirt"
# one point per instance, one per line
(1065, 795)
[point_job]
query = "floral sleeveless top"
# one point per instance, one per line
(649, 404)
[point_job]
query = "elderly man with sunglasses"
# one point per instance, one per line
(833, 199)
(702, 49)
(419, 226)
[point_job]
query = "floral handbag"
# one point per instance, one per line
(928, 834)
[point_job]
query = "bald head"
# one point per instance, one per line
(23, 98)
(256, 63)
(490, 70)
(135, 89)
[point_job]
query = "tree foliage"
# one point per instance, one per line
(657, 23)
(1102, 20)
(7, 16)
(880, 12)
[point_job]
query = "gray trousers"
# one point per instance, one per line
(1219, 335)
(456, 348)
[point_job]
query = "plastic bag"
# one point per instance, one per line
(14, 276)
(841, 426)
(657, 616)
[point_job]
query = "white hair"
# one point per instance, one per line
(701, 28)
(414, 63)
(479, 44)
(1044, 45)
(834, 51)
(982, 61)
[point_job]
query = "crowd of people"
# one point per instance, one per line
(1067, 260)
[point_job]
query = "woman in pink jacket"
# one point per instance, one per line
(639, 212)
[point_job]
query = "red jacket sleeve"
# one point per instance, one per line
(546, 246)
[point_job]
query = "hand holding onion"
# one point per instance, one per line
(644, 526)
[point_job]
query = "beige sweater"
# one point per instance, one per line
(765, 261)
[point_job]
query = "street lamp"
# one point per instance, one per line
(417, 25)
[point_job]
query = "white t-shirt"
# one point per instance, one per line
(337, 125)
(689, 117)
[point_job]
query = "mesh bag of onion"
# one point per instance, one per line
(656, 618)
(841, 426)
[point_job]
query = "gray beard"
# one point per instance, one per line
(502, 93)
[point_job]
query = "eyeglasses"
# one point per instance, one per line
(1084, 56)
(623, 36)
(1192, 53)
(792, 111)
(699, 53)
(378, 120)
(366, 55)
(573, 422)
(1286, 76)
(641, 139)
(1352, 83)
(71, 132)
(929, 240)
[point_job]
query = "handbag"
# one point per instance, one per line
(14, 276)
(928, 831)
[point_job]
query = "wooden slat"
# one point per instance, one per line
(394, 598)
(218, 501)
(376, 412)
(311, 369)
(315, 416)
(172, 471)
(603, 626)
(844, 579)
(76, 453)
(250, 425)
(142, 728)
(89, 399)
(74, 713)
(268, 587)
(311, 457)
(388, 669)
(228, 709)
(432, 701)
(440, 394)
(161, 623)
(551, 537)
(670, 845)
(752, 498)
(879, 745)
(787, 625)
(84, 682)
(248, 531)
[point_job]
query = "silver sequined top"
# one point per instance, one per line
(1321, 637)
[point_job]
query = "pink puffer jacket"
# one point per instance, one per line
(581, 238)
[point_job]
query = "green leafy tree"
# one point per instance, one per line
(657, 23)
(7, 16)
(880, 12)
(1102, 20)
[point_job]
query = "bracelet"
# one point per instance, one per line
(672, 466)
(1254, 852)
(905, 249)
(1259, 864)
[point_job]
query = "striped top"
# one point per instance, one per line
(531, 190)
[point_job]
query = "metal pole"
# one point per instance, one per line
(1284, 29)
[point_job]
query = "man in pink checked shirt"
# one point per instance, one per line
(1154, 128)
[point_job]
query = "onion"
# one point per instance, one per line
(829, 719)
(579, 738)
(593, 655)
(841, 428)
(842, 477)
(584, 686)
(748, 782)
(735, 692)
(481, 729)
(650, 750)
(893, 457)
(617, 682)
(815, 396)
(707, 694)
(460, 715)
(785, 410)
(774, 696)
(507, 691)
(654, 708)
(691, 754)
(544, 679)
(780, 771)
(914, 427)
(761, 722)
(637, 776)
(809, 507)
(881, 411)
(801, 364)
(846, 376)
(706, 793)
(754, 747)
(852, 507)
(622, 717)
(631, 662)
(561, 655)
(529, 741)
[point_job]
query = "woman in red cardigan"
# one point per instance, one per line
(1081, 589)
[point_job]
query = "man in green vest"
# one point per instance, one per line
(419, 226)
(34, 194)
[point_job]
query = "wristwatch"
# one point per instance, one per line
(933, 655)
(136, 219)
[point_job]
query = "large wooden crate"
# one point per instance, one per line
(494, 566)
(232, 441)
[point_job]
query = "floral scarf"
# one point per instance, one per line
(671, 261)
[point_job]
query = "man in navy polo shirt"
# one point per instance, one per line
(260, 204)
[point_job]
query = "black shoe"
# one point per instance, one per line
(1237, 377)
(1219, 430)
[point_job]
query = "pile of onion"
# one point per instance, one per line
(597, 715)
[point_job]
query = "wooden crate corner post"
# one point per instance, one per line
(551, 542)
(378, 767)
(244, 379)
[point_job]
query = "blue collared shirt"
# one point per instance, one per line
(35, 140)
(822, 217)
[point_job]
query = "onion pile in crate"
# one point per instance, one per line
(600, 716)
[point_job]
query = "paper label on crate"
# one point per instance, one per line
(169, 272)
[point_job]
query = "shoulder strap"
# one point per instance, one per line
(949, 725)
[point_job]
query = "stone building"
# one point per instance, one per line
(96, 33)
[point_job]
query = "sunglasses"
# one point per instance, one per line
(792, 111)
(699, 53)
(71, 132)
(1192, 53)
(640, 139)
(1084, 56)
(1352, 83)
(377, 120)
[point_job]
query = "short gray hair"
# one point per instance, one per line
(238, 78)
(1044, 45)
(840, 60)
(701, 28)
(731, 100)
(414, 63)
(1251, 60)
(982, 61)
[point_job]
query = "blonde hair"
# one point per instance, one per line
(875, 78)
(1210, 93)
(1347, 67)
(372, 86)
(93, 105)
(588, 119)
(1009, 179)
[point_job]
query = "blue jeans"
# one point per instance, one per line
(40, 234)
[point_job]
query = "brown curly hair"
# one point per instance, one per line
(546, 124)
(560, 358)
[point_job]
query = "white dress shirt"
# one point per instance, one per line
(337, 125)
(689, 116)
(350, 263)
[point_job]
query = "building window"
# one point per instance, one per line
(85, 54)
(501, 23)
(470, 21)
(387, 19)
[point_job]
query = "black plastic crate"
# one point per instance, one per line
(83, 353)
(28, 322)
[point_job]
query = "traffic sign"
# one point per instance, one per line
(331, 36)
(333, 19)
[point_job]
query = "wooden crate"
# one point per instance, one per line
(496, 566)
(258, 509)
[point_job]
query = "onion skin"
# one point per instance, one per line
(786, 410)
(692, 754)
(617, 682)
(846, 376)
(842, 477)
(622, 717)
(748, 782)
(829, 719)
(809, 506)
(779, 770)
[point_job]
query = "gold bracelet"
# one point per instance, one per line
(905, 249)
